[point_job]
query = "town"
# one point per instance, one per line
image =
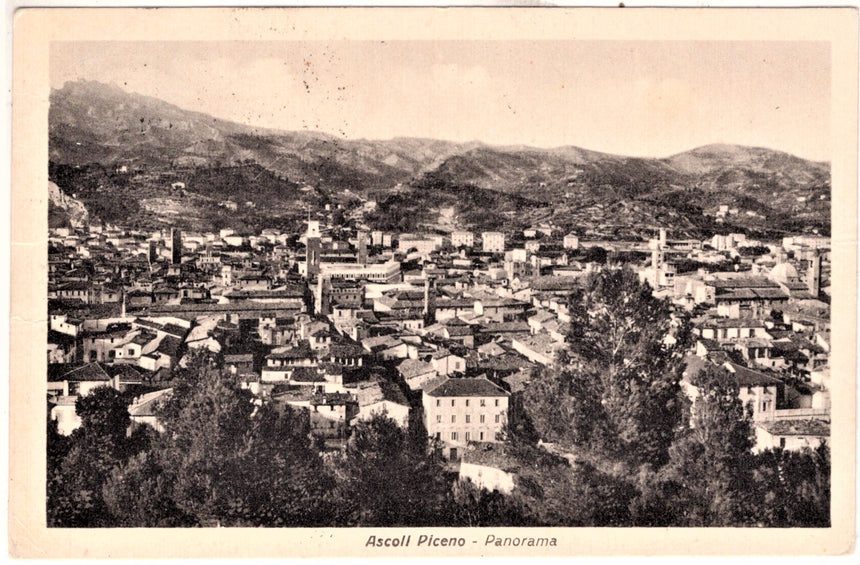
(441, 332)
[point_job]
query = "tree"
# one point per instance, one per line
(384, 479)
(478, 507)
(552, 493)
(615, 390)
(228, 460)
(74, 486)
(710, 466)
(793, 487)
(137, 494)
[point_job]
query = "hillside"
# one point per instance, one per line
(123, 153)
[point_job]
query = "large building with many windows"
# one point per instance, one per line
(460, 410)
(493, 242)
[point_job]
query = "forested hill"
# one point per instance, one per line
(103, 131)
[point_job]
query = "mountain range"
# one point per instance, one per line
(143, 161)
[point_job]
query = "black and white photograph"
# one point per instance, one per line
(439, 288)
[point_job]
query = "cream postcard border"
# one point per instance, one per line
(34, 29)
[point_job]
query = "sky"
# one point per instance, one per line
(638, 98)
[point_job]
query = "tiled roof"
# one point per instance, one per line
(301, 351)
(306, 375)
(811, 427)
(169, 345)
(146, 405)
(748, 377)
(493, 455)
(466, 387)
(89, 372)
(410, 368)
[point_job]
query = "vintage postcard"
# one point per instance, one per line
(366, 282)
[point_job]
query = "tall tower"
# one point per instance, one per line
(321, 300)
(362, 248)
(429, 309)
(175, 246)
(813, 276)
(313, 247)
(153, 252)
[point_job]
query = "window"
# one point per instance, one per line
(468, 436)
(438, 402)
(439, 419)
(468, 418)
(454, 436)
(438, 435)
(483, 402)
(131, 351)
(482, 418)
(481, 436)
(497, 402)
(453, 418)
(452, 402)
(782, 442)
(497, 418)
(467, 402)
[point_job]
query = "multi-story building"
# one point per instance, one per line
(462, 239)
(422, 245)
(388, 272)
(457, 411)
(571, 241)
(493, 242)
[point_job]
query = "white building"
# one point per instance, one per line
(388, 272)
(571, 241)
(462, 239)
(457, 411)
(493, 242)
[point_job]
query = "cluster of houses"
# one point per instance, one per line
(439, 331)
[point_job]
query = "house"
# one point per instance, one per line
(282, 360)
(726, 329)
(386, 347)
(446, 363)
(791, 434)
(571, 241)
(143, 410)
(460, 410)
(462, 239)
(759, 392)
(100, 345)
(330, 415)
(539, 348)
(489, 466)
(239, 363)
(66, 384)
(381, 397)
(416, 373)
(493, 242)
(61, 347)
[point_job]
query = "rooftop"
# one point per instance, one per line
(466, 387)
(810, 427)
